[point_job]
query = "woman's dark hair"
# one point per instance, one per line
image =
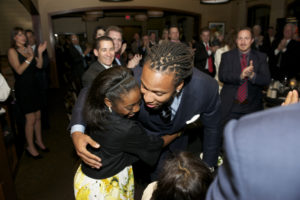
(15, 32)
(112, 84)
(184, 177)
(96, 30)
(172, 57)
(229, 40)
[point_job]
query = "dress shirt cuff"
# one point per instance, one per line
(276, 52)
(283, 50)
(77, 128)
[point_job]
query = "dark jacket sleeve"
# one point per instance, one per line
(262, 73)
(228, 74)
(146, 147)
(211, 119)
(200, 56)
(225, 184)
(77, 113)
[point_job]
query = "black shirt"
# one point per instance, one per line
(123, 141)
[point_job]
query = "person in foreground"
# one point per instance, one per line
(261, 156)
(184, 177)
(113, 98)
(174, 93)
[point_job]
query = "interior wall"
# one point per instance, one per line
(12, 13)
(209, 13)
(233, 14)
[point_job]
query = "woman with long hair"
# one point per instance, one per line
(113, 99)
(24, 64)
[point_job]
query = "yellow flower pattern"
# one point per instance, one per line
(119, 186)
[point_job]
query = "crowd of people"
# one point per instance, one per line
(135, 100)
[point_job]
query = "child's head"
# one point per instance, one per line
(184, 177)
(114, 89)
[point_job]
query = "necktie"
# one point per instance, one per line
(166, 114)
(209, 60)
(118, 56)
(243, 89)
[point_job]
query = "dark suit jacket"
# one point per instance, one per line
(229, 74)
(267, 45)
(261, 157)
(201, 58)
(123, 63)
(76, 61)
(43, 73)
(286, 63)
(92, 72)
(200, 96)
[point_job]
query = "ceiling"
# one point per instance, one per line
(114, 13)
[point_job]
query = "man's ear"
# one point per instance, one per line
(107, 102)
(179, 87)
(96, 52)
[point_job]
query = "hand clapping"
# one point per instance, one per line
(42, 47)
(291, 98)
(248, 72)
(282, 44)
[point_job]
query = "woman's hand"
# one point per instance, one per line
(42, 47)
(29, 53)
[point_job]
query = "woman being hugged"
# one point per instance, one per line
(25, 64)
(112, 101)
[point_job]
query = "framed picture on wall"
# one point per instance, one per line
(217, 26)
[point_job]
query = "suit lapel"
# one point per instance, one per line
(237, 61)
(253, 57)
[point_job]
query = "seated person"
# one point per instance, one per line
(184, 177)
(113, 98)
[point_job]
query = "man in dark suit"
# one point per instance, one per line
(115, 33)
(268, 41)
(174, 34)
(143, 48)
(174, 94)
(77, 58)
(244, 72)
(261, 157)
(285, 60)
(204, 54)
(105, 53)
(258, 38)
(42, 76)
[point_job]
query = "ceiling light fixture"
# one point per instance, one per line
(213, 1)
(155, 13)
(114, 0)
(140, 17)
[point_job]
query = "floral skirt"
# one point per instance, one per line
(119, 186)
